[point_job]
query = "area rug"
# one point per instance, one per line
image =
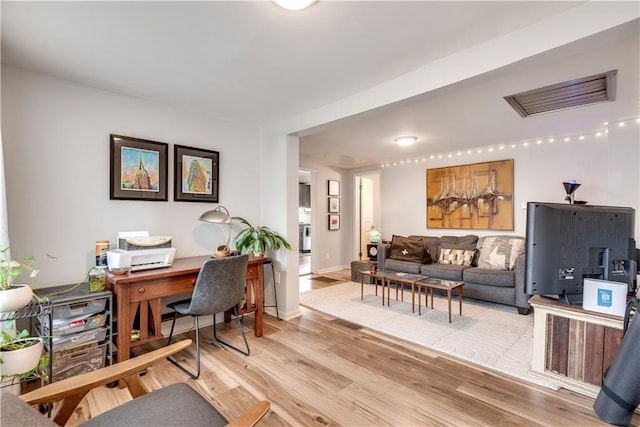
(494, 336)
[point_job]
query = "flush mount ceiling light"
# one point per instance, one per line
(294, 4)
(405, 141)
(569, 94)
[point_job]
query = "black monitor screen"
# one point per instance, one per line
(567, 243)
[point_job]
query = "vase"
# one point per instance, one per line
(16, 362)
(14, 298)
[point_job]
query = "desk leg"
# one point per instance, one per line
(362, 287)
(259, 295)
(460, 299)
(125, 324)
(449, 303)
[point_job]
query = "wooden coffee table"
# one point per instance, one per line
(388, 277)
(431, 283)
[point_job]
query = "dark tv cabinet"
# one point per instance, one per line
(573, 347)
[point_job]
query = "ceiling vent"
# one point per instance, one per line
(569, 94)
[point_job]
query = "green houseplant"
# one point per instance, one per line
(256, 239)
(15, 296)
(21, 355)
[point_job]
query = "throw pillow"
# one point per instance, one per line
(499, 252)
(456, 257)
(405, 249)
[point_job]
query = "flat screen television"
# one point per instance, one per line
(567, 243)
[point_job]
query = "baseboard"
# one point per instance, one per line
(332, 269)
(283, 315)
(185, 324)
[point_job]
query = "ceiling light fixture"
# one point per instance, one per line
(294, 4)
(405, 141)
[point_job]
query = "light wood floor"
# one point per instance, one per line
(318, 371)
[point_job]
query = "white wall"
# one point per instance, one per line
(539, 171)
(624, 167)
(330, 249)
(56, 147)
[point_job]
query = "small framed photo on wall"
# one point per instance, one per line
(334, 222)
(333, 204)
(333, 188)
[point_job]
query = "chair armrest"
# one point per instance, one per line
(252, 415)
(83, 383)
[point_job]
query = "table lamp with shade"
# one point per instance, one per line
(219, 215)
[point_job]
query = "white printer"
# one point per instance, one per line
(139, 251)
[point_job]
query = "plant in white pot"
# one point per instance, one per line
(256, 239)
(21, 355)
(14, 296)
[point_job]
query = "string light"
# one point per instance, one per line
(523, 144)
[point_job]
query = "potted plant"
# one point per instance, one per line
(21, 355)
(15, 296)
(257, 239)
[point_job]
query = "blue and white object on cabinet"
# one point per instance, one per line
(605, 296)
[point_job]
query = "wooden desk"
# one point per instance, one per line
(139, 295)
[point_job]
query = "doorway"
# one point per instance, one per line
(368, 210)
(305, 222)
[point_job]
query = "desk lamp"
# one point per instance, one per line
(219, 215)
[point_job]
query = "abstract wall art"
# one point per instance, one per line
(477, 196)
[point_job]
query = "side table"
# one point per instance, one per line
(358, 266)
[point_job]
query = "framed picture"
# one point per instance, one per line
(196, 173)
(138, 169)
(487, 197)
(334, 204)
(333, 188)
(334, 222)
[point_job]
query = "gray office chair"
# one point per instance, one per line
(220, 286)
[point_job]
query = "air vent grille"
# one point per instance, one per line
(569, 94)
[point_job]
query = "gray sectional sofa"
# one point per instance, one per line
(492, 267)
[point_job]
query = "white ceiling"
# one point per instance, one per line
(254, 63)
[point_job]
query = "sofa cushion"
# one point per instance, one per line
(406, 249)
(177, 404)
(431, 243)
(489, 277)
(500, 252)
(402, 266)
(443, 271)
(467, 242)
(456, 256)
